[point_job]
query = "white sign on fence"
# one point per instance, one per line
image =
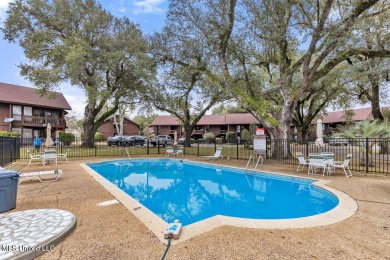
(260, 144)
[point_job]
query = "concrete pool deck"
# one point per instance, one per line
(111, 231)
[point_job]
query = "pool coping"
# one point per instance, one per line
(346, 208)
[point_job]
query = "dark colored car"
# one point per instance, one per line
(115, 140)
(133, 140)
(181, 141)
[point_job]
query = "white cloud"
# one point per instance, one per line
(3, 8)
(148, 6)
(77, 103)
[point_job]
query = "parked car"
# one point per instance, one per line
(338, 141)
(161, 140)
(181, 141)
(115, 140)
(133, 140)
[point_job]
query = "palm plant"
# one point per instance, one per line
(366, 129)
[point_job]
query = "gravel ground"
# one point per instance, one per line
(112, 232)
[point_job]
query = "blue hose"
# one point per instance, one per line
(166, 250)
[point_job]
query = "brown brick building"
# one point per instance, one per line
(219, 125)
(24, 111)
(108, 128)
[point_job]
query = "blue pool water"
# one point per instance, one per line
(191, 192)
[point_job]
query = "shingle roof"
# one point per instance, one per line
(228, 119)
(14, 94)
(339, 116)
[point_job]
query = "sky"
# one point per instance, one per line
(149, 14)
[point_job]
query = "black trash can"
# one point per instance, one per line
(8, 189)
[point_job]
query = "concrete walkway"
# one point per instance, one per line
(112, 232)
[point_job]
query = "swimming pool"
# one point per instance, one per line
(192, 192)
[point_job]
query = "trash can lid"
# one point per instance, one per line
(8, 173)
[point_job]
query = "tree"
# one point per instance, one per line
(367, 129)
(228, 109)
(299, 42)
(182, 91)
(144, 122)
(78, 42)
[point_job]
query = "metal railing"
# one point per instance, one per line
(9, 150)
(369, 155)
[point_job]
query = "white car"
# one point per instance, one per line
(338, 141)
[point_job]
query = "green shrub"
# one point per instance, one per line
(208, 137)
(9, 134)
(67, 138)
(231, 136)
(218, 140)
(245, 135)
(99, 137)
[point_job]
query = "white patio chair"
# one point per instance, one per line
(37, 157)
(63, 155)
(316, 162)
(54, 173)
(344, 165)
(216, 156)
(328, 158)
(180, 151)
(49, 157)
(169, 151)
(302, 161)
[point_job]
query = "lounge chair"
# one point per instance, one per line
(37, 157)
(344, 165)
(54, 173)
(302, 161)
(217, 155)
(63, 155)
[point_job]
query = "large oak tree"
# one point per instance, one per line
(78, 42)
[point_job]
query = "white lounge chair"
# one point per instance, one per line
(63, 155)
(344, 165)
(302, 161)
(216, 156)
(37, 157)
(54, 173)
(328, 158)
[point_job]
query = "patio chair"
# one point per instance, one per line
(37, 157)
(344, 165)
(49, 156)
(169, 151)
(328, 158)
(54, 173)
(217, 155)
(317, 162)
(302, 161)
(180, 151)
(63, 155)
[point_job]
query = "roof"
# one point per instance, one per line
(339, 116)
(228, 119)
(14, 94)
(110, 119)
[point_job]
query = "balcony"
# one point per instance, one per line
(198, 132)
(42, 121)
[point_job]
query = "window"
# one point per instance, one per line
(27, 133)
(27, 113)
(17, 112)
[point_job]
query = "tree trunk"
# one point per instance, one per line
(89, 131)
(376, 109)
(188, 130)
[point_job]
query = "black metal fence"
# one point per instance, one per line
(369, 155)
(9, 150)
